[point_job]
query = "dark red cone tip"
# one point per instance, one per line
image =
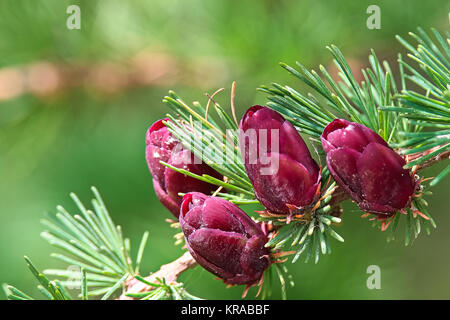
(294, 178)
(223, 239)
(364, 165)
(161, 145)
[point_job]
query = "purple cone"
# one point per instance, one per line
(223, 239)
(161, 145)
(364, 165)
(284, 175)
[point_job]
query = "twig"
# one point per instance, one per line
(170, 272)
(441, 156)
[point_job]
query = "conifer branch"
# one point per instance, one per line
(415, 124)
(174, 269)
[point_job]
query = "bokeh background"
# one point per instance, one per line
(75, 106)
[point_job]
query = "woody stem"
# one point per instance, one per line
(170, 272)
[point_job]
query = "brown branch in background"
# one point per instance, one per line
(150, 67)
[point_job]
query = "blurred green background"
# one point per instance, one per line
(75, 106)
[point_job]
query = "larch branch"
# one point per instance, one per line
(171, 271)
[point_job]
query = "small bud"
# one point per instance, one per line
(268, 141)
(223, 239)
(364, 165)
(161, 145)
